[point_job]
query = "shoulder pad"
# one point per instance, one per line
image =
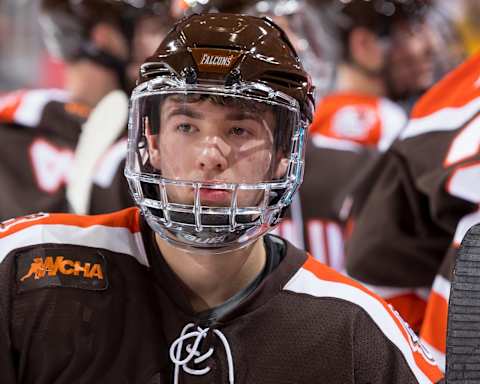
(450, 103)
(363, 119)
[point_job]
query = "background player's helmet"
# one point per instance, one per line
(306, 29)
(409, 31)
(67, 27)
(377, 16)
(243, 63)
(181, 8)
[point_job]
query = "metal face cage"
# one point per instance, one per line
(246, 203)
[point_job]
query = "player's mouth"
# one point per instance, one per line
(219, 197)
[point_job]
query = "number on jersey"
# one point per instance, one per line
(51, 165)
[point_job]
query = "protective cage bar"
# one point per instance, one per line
(294, 172)
(232, 211)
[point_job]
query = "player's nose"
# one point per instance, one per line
(211, 157)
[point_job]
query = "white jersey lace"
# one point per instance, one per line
(193, 353)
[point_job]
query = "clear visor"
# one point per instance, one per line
(207, 148)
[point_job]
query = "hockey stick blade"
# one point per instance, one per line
(105, 124)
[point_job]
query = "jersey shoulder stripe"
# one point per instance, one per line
(450, 103)
(25, 107)
(456, 89)
(117, 232)
(318, 280)
(363, 119)
(434, 327)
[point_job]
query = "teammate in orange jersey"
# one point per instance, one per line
(182, 289)
(403, 244)
(40, 129)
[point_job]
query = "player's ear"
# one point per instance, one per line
(152, 142)
(281, 169)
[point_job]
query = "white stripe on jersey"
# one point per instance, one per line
(335, 246)
(306, 282)
(30, 110)
(322, 141)
(463, 182)
(446, 119)
(115, 239)
(316, 236)
(393, 120)
(441, 286)
(438, 355)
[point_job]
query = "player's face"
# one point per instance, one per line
(206, 141)
(412, 67)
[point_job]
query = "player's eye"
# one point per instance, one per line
(239, 131)
(185, 128)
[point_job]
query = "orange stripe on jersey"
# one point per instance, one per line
(459, 87)
(349, 116)
(127, 218)
(77, 109)
(9, 104)
(325, 273)
(434, 328)
(411, 308)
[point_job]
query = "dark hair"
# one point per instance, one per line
(379, 17)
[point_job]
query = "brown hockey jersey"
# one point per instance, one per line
(91, 299)
(39, 130)
(426, 196)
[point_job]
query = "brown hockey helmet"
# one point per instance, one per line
(242, 64)
(67, 23)
(229, 49)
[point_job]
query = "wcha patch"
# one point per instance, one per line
(61, 267)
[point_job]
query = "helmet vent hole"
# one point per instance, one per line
(152, 70)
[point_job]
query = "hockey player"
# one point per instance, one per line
(183, 289)
(426, 197)
(356, 121)
(40, 129)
